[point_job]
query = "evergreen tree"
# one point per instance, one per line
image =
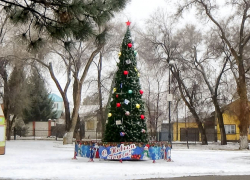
(14, 93)
(41, 107)
(60, 18)
(126, 121)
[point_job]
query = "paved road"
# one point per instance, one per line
(187, 178)
(207, 178)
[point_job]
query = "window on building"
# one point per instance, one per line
(90, 125)
(55, 105)
(230, 129)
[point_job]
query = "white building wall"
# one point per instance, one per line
(41, 129)
(30, 128)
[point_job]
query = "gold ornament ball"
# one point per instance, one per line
(137, 106)
(119, 54)
(109, 114)
(114, 89)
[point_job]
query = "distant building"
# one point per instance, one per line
(58, 105)
(187, 129)
(89, 114)
(231, 113)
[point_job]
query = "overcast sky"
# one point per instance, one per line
(138, 10)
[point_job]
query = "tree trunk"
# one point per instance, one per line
(100, 95)
(182, 88)
(244, 117)
(6, 102)
(7, 115)
(8, 129)
(244, 142)
(63, 94)
(77, 132)
(10, 123)
(241, 81)
(200, 127)
(244, 108)
(221, 123)
(67, 114)
(77, 89)
(197, 120)
(68, 138)
(214, 93)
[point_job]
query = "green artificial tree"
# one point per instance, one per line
(126, 120)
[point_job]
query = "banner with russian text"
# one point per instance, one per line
(129, 151)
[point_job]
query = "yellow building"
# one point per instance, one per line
(231, 122)
(184, 132)
(187, 129)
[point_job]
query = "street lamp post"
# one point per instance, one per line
(170, 98)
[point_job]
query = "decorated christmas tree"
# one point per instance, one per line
(126, 120)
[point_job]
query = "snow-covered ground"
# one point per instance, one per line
(39, 159)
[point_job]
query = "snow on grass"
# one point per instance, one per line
(40, 159)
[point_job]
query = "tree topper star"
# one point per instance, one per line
(128, 23)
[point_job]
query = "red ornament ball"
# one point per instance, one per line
(141, 91)
(118, 104)
(116, 95)
(129, 45)
(142, 116)
(125, 72)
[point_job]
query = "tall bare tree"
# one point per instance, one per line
(162, 40)
(76, 61)
(233, 30)
(199, 50)
(155, 99)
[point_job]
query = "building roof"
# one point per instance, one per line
(233, 108)
(56, 98)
